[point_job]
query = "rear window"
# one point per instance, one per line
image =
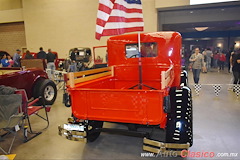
(147, 50)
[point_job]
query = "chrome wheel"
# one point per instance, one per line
(49, 93)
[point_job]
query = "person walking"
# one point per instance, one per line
(197, 61)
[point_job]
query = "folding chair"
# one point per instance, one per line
(30, 109)
(11, 116)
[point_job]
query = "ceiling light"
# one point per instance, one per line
(205, 38)
(237, 45)
(219, 45)
(200, 28)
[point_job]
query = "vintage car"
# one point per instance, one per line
(143, 87)
(82, 56)
(34, 81)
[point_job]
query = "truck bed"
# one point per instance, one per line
(113, 98)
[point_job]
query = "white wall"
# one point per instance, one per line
(64, 24)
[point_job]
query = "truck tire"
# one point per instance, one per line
(47, 90)
(179, 121)
(91, 137)
(184, 78)
(132, 127)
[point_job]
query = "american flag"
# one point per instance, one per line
(116, 17)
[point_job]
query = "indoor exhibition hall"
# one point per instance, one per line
(119, 79)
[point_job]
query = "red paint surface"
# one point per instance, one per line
(110, 99)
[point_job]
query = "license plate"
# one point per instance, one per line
(73, 127)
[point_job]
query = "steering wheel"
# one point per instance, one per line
(135, 56)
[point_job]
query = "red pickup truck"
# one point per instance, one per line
(143, 88)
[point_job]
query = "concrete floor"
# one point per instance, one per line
(215, 127)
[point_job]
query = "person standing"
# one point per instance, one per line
(209, 55)
(4, 61)
(197, 64)
(16, 58)
(222, 59)
(73, 63)
(28, 55)
(215, 59)
(41, 54)
(74, 54)
(235, 59)
(204, 68)
(89, 64)
(50, 61)
(10, 61)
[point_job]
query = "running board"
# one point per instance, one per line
(164, 148)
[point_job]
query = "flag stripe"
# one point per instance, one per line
(101, 22)
(121, 31)
(127, 10)
(128, 5)
(105, 9)
(111, 26)
(118, 31)
(120, 13)
(123, 19)
(103, 16)
(117, 13)
(118, 16)
(122, 25)
(106, 3)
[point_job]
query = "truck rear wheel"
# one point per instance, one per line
(179, 123)
(91, 134)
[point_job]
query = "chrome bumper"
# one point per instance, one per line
(72, 132)
(164, 148)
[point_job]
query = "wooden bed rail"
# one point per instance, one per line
(166, 77)
(83, 76)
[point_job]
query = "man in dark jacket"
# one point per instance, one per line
(236, 67)
(73, 55)
(41, 54)
(73, 65)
